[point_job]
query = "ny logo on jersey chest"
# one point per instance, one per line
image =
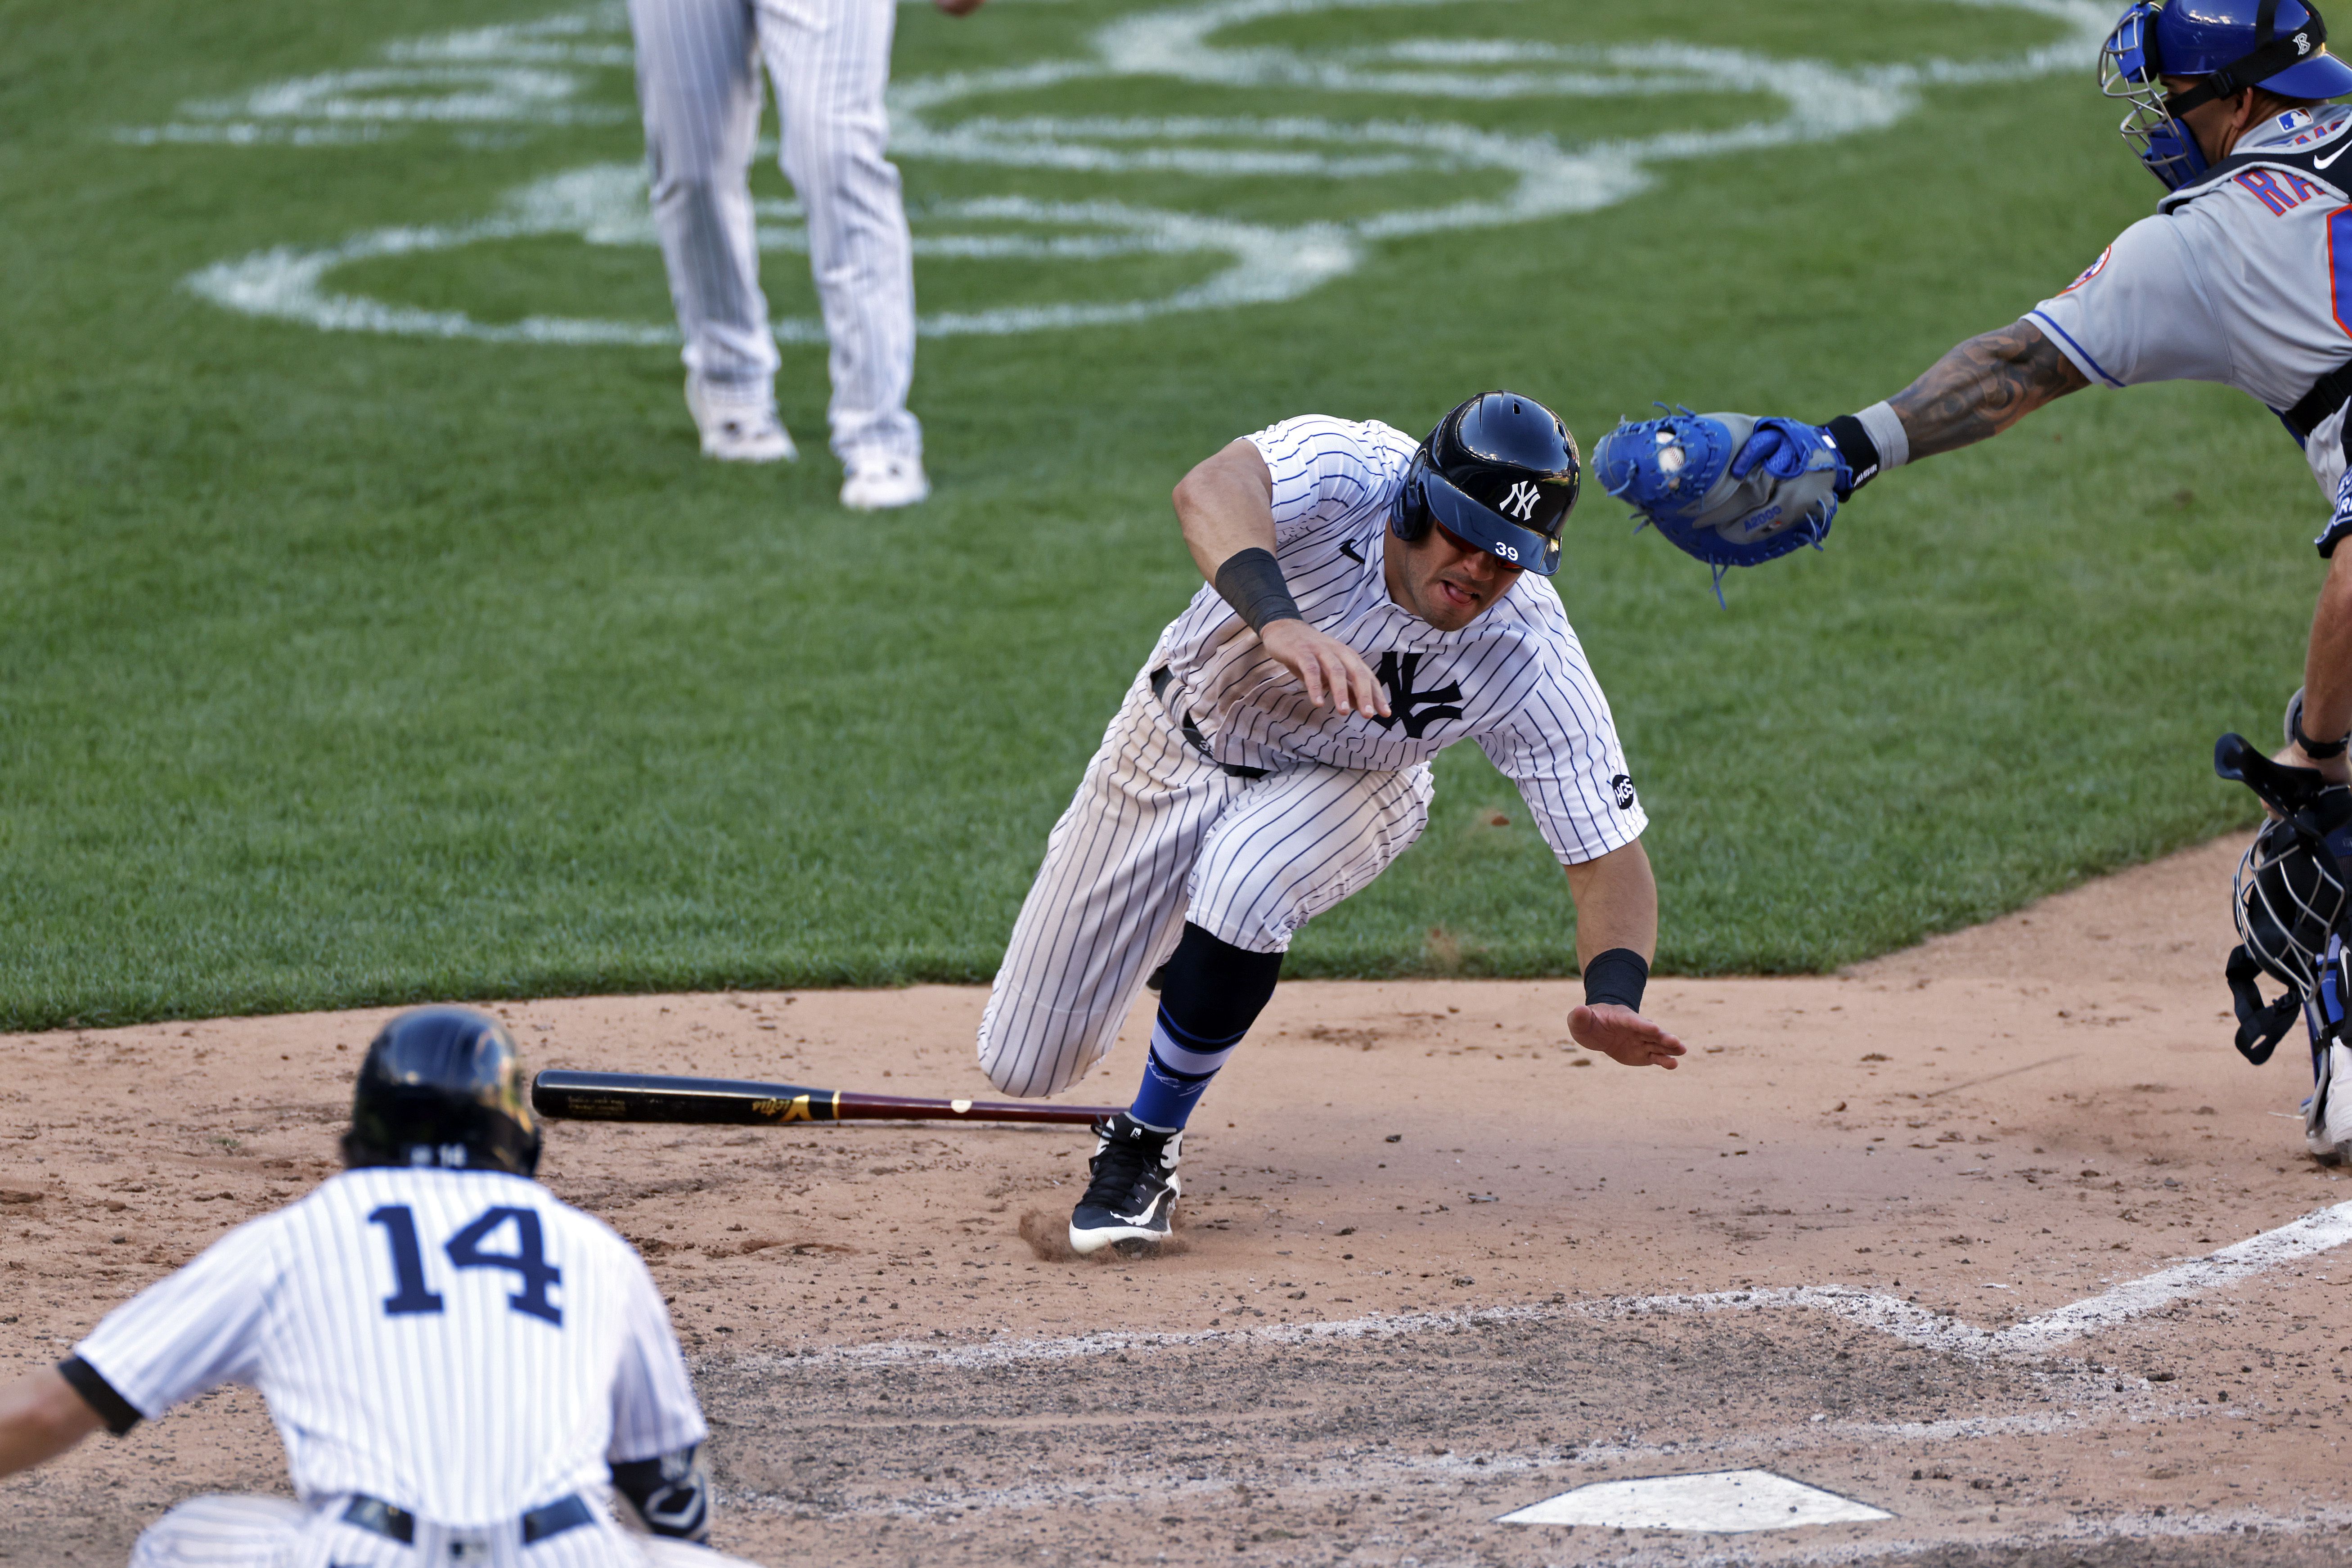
(1416, 710)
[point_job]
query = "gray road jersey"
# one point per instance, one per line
(2232, 280)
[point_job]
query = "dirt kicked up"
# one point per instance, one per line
(1435, 1265)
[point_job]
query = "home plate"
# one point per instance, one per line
(1725, 1500)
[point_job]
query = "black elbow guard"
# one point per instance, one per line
(670, 1493)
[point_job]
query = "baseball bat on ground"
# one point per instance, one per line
(731, 1102)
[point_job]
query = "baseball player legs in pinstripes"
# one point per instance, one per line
(698, 87)
(1370, 602)
(460, 1365)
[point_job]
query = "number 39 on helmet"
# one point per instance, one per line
(2279, 45)
(1499, 473)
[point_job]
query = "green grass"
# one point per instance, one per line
(339, 669)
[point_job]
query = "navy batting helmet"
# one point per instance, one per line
(442, 1086)
(2279, 45)
(1500, 472)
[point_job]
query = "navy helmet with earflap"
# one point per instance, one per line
(2279, 45)
(443, 1087)
(1500, 472)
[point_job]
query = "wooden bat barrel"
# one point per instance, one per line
(562, 1094)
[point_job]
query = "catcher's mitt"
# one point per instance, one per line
(1730, 489)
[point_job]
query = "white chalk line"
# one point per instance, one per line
(2133, 1526)
(1892, 1315)
(2087, 1398)
(1361, 1468)
(1357, 1470)
(1352, 1471)
(542, 73)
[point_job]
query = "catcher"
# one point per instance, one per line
(2232, 279)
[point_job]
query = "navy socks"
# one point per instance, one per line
(1210, 995)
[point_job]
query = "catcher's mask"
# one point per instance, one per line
(443, 1087)
(2279, 45)
(1500, 473)
(2289, 899)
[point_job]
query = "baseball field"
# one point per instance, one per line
(371, 632)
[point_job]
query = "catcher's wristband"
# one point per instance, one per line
(1617, 975)
(2317, 750)
(1251, 582)
(1871, 442)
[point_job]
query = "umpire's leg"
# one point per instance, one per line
(699, 87)
(1108, 904)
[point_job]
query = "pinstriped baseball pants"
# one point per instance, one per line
(223, 1531)
(699, 87)
(1158, 835)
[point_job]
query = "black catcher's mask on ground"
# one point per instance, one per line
(2289, 897)
(443, 1087)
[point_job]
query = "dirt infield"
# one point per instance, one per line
(1437, 1267)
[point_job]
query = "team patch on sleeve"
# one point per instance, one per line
(1621, 789)
(2092, 270)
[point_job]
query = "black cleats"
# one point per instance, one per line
(1133, 1195)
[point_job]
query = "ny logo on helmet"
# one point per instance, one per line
(1521, 502)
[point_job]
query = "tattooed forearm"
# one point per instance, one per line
(1982, 387)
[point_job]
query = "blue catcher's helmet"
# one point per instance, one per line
(2279, 45)
(444, 1087)
(1500, 472)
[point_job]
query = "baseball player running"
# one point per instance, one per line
(1368, 605)
(2238, 279)
(457, 1362)
(699, 87)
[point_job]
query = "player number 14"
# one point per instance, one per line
(533, 1273)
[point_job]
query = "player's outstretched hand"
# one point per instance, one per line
(1622, 1035)
(1334, 674)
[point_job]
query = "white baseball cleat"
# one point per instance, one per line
(2328, 1114)
(876, 484)
(738, 428)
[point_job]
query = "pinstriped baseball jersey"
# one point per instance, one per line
(2246, 279)
(1514, 679)
(458, 1343)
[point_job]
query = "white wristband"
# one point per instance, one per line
(1886, 432)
